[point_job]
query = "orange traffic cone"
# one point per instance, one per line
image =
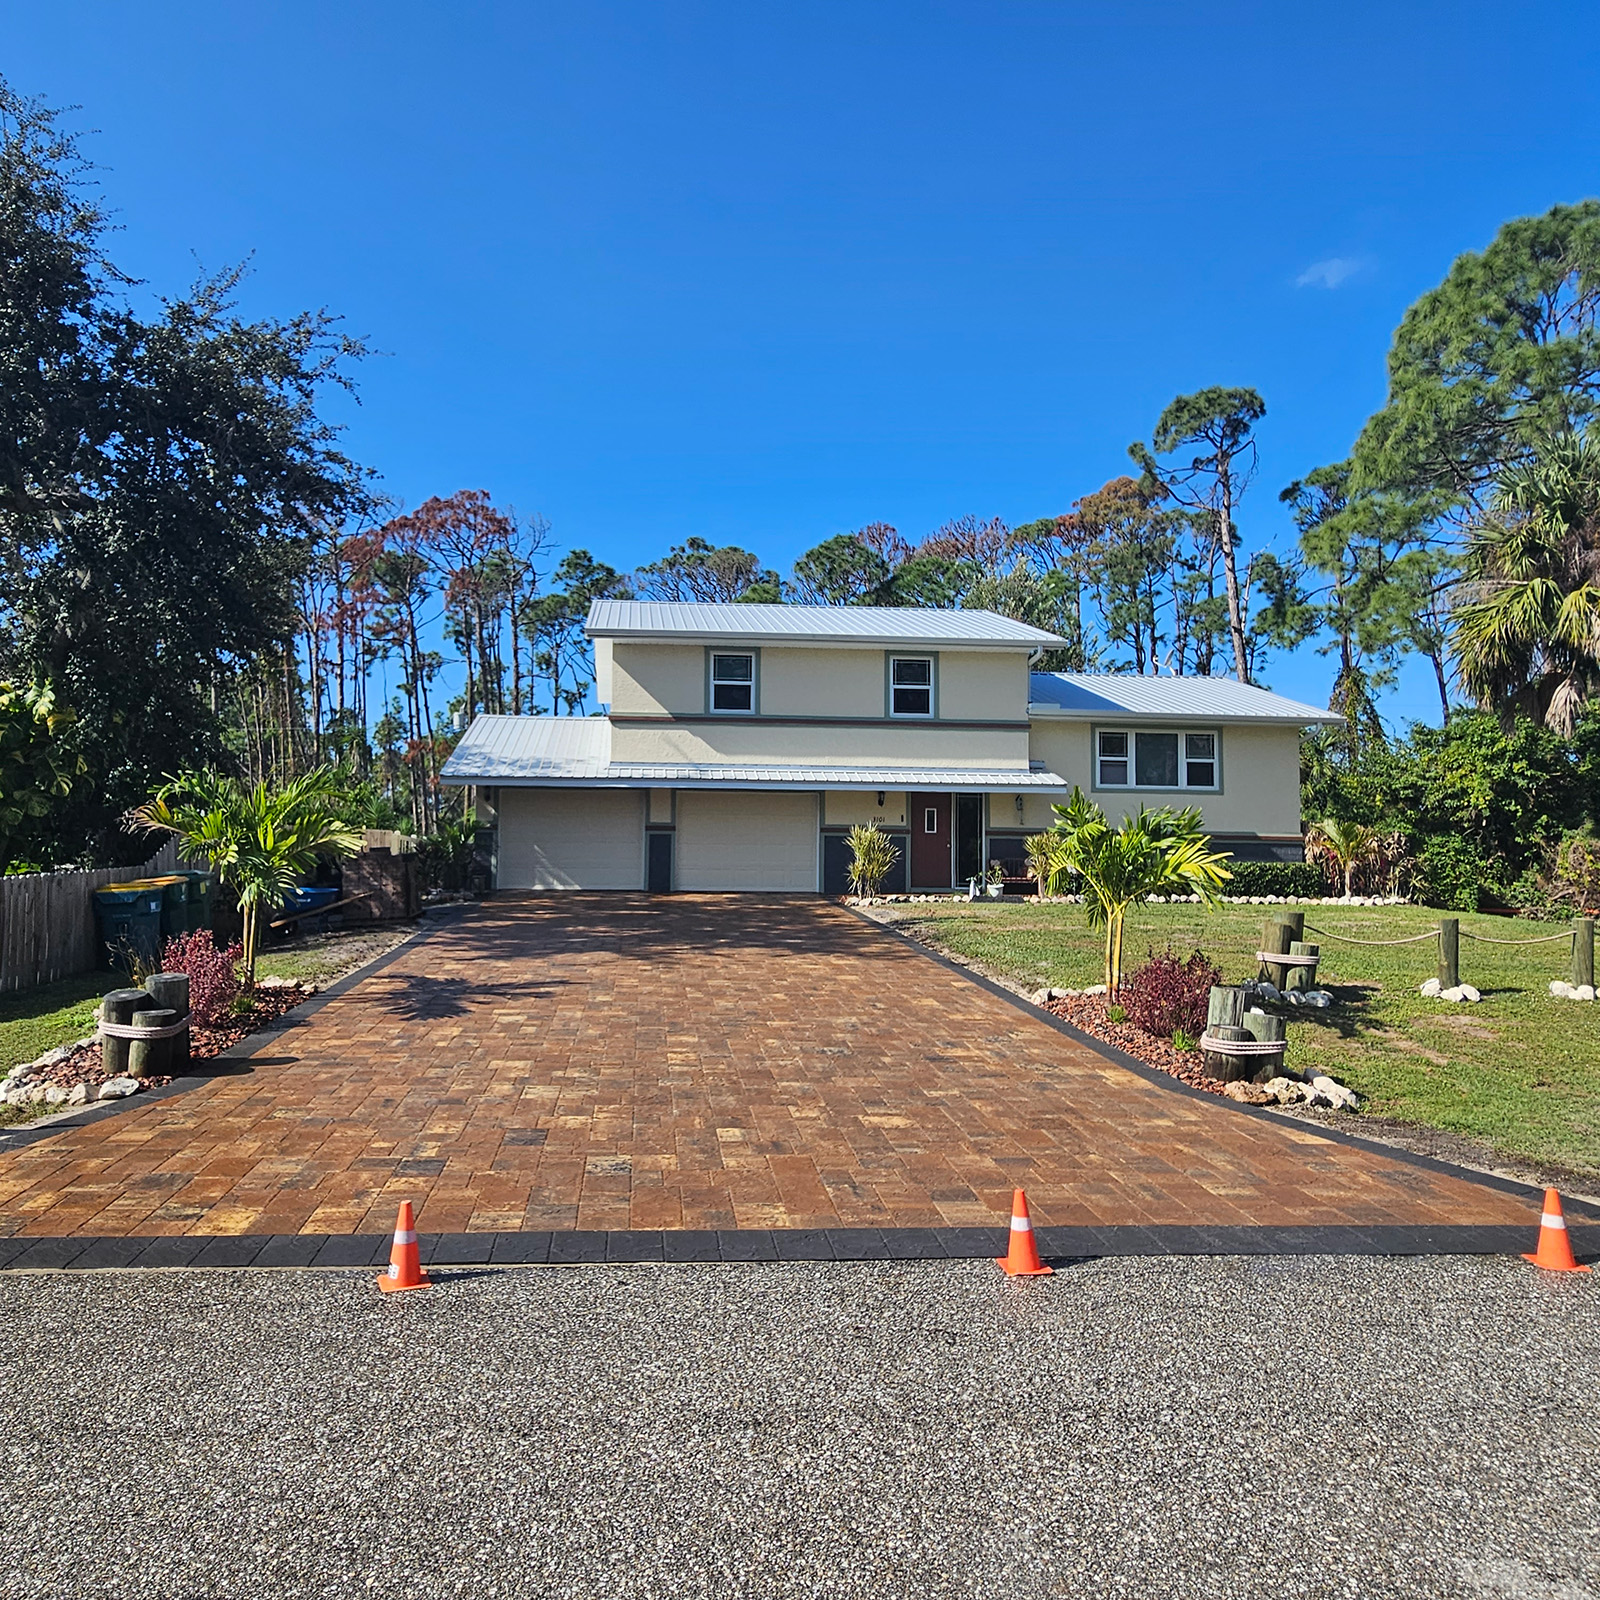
(1023, 1260)
(1555, 1249)
(405, 1265)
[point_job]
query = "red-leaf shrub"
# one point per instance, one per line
(213, 976)
(1166, 993)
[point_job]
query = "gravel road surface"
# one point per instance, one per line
(1150, 1428)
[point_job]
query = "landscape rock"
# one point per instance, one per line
(80, 1094)
(1324, 1090)
(1267, 990)
(1469, 993)
(1041, 997)
(1095, 988)
(118, 1088)
(1430, 989)
(1249, 1094)
(1454, 995)
(55, 1095)
(1320, 998)
(1286, 1091)
(1584, 991)
(1561, 989)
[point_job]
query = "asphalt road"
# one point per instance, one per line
(1272, 1427)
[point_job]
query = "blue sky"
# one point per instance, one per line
(765, 273)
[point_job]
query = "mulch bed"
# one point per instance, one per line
(83, 1065)
(1088, 1012)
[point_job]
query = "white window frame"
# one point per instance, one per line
(1132, 784)
(740, 683)
(929, 687)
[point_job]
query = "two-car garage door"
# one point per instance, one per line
(749, 840)
(594, 839)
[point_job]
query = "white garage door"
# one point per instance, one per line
(731, 840)
(571, 839)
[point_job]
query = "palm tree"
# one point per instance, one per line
(261, 840)
(1155, 852)
(872, 857)
(1346, 844)
(1527, 623)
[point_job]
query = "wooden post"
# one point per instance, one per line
(120, 1006)
(1224, 1008)
(1296, 920)
(148, 1058)
(1302, 979)
(1449, 952)
(1276, 937)
(1583, 952)
(1266, 1029)
(170, 991)
(1226, 1068)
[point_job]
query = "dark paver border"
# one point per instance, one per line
(19, 1137)
(1165, 1080)
(749, 1246)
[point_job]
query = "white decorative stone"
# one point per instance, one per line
(1584, 991)
(1454, 994)
(1320, 998)
(1430, 990)
(1324, 1089)
(1267, 990)
(118, 1088)
(1095, 988)
(1039, 996)
(55, 1095)
(1469, 993)
(79, 1095)
(1561, 989)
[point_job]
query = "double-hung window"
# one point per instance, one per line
(911, 686)
(1155, 759)
(733, 682)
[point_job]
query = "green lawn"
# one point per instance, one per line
(1521, 1071)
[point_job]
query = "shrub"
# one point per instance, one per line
(872, 857)
(1166, 994)
(1277, 877)
(1453, 873)
(213, 975)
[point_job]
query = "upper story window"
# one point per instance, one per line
(911, 686)
(733, 682)
(1125, 759)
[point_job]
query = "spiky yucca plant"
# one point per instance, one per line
(872, 857)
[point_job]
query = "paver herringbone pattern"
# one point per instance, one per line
(619, 1062)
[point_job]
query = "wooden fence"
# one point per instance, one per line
(47, 920)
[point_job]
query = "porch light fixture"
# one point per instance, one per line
(1019, 807)
(880, 797)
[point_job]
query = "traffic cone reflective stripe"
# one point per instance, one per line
(1022, 1261)
(405, 1263)
(1555, 1248)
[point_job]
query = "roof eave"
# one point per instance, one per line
(1052, 713)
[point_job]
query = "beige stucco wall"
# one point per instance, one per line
(821, 683)
(653, 679)
(981, 683)
(876, 744)
(848, 808)
(1260, 779)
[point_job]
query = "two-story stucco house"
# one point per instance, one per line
(739, 743)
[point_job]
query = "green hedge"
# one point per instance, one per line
(1276, 877)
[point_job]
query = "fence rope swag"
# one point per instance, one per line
(1344, 938)
(1549, 938)
(122, 1030)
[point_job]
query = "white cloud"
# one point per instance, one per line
(1328, 274)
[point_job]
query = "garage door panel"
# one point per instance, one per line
(571, 839)
(731, 840)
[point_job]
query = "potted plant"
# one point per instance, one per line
(996, 886)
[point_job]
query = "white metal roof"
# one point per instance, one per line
(871, 625)
(1081, 696)
(514, 751)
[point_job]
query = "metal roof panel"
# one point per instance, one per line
(1096, 695)
(869, 625)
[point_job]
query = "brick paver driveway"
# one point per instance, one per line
(617, 1062)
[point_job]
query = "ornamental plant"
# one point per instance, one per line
(1168, 997)
(1156, 852)
(213, 973)
(872, 857)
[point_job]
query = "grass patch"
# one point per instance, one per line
(320, 958)
(1521, 1071)
(59, 1013)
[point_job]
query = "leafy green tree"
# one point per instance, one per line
(1347, 845)
(842, 571)
(261, 840)
(1504, 353)
(554, 624)
(38, 765)
(1154, 852)
(1213, 429)
(1527, 630)
(159, 480)
(699, 570)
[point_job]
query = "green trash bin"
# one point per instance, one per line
(174, 902)
(128, 917)
(198, 907)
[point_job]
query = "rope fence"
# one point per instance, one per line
(1371, 944)
(1549, 938)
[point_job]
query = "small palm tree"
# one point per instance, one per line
(1527, 614)
(872, 857)
(1155, 852)
(1044, 857)
(1347, 845)
(260, 840)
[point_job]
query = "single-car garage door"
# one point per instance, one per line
(747, 840)
(571, 839)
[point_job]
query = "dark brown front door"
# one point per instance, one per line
(929, 817)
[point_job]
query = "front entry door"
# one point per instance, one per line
(930, 840)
